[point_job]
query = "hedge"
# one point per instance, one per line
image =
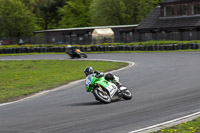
(101, 48)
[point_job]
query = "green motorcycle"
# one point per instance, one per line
(106, 90)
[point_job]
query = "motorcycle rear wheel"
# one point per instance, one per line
(101, 95)
(84, 55)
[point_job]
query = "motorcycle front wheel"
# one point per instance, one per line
(127, 94)
(101, 95)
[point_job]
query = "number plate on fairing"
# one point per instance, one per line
(88, 80)
(112, 89)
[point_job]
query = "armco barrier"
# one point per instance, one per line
(102, 48)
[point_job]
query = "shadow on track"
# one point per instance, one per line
(85, 104)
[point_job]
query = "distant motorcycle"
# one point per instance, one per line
(75, 53)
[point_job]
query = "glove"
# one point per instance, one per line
(98, 76)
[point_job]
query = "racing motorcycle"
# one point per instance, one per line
(76, 53)
(106, 90)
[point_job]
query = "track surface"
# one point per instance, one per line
(165, 86)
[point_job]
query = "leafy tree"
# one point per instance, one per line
(137, 10)
(56, 17)
(120, 12)
(29, 3)
(107, 12)
(46, 11)
(16, 20)
(75, 14)
(49, 13)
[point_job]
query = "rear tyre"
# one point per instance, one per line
(72, 57)
(101, 95)
(84, 55)
(127, 94)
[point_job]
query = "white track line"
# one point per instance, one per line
(69, 84)
(168, 123)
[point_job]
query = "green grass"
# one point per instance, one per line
(186, 127)
(26, 77)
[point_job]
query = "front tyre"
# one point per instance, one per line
(127, 94)
(101, 95)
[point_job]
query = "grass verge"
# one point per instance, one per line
(186, 127)
(25, 77)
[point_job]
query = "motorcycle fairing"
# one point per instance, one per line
(112, 89)
(91, 79)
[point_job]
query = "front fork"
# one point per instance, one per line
(117, 83)
(101, 89)
(120, 87)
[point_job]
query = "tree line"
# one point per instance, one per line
(19, 18)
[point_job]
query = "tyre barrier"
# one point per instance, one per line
(102, 48)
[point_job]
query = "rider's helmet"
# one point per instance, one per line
(88, 71)
(69, 46)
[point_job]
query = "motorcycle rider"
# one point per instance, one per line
(70, 49)
(109, 77)
(74, 52)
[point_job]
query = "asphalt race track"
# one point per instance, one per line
(165, 86)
